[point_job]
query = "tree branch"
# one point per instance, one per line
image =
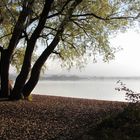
(46, 53)
(50, 28)
(5, 5)
(19, 27)
(59, 54)
(5, 35)
(108, 17)
(80, 27)
(45, 35)
(24, 36)
(57, 37)
(58, 13)
(73, 47)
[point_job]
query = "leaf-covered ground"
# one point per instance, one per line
(54, 118)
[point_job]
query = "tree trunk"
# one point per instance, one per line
(30, 85)
(0, 71)
(22, 77)
(20, 81)
(19, 27)
(5, 62)
(35, 73)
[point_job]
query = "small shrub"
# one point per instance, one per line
(131, 96)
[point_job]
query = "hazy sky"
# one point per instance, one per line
(126, 62)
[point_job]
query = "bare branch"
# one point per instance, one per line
(89, 14)
(124, 17)
(107, 18)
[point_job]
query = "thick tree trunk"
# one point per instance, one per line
(30, 85)
(22, 77)
(35, 73)
(5, 62)
(19, 27)
(0, 70)
(19, 83)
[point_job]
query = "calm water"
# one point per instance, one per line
(95, 89)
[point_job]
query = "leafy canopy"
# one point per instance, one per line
(87, 34)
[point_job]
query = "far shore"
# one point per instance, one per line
(67, 77)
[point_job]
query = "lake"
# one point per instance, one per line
(91, 89)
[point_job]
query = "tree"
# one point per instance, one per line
(71, 30)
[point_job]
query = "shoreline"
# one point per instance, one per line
(80, 98)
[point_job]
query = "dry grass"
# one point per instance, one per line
(49, 117)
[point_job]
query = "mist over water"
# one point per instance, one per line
(101, 89)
